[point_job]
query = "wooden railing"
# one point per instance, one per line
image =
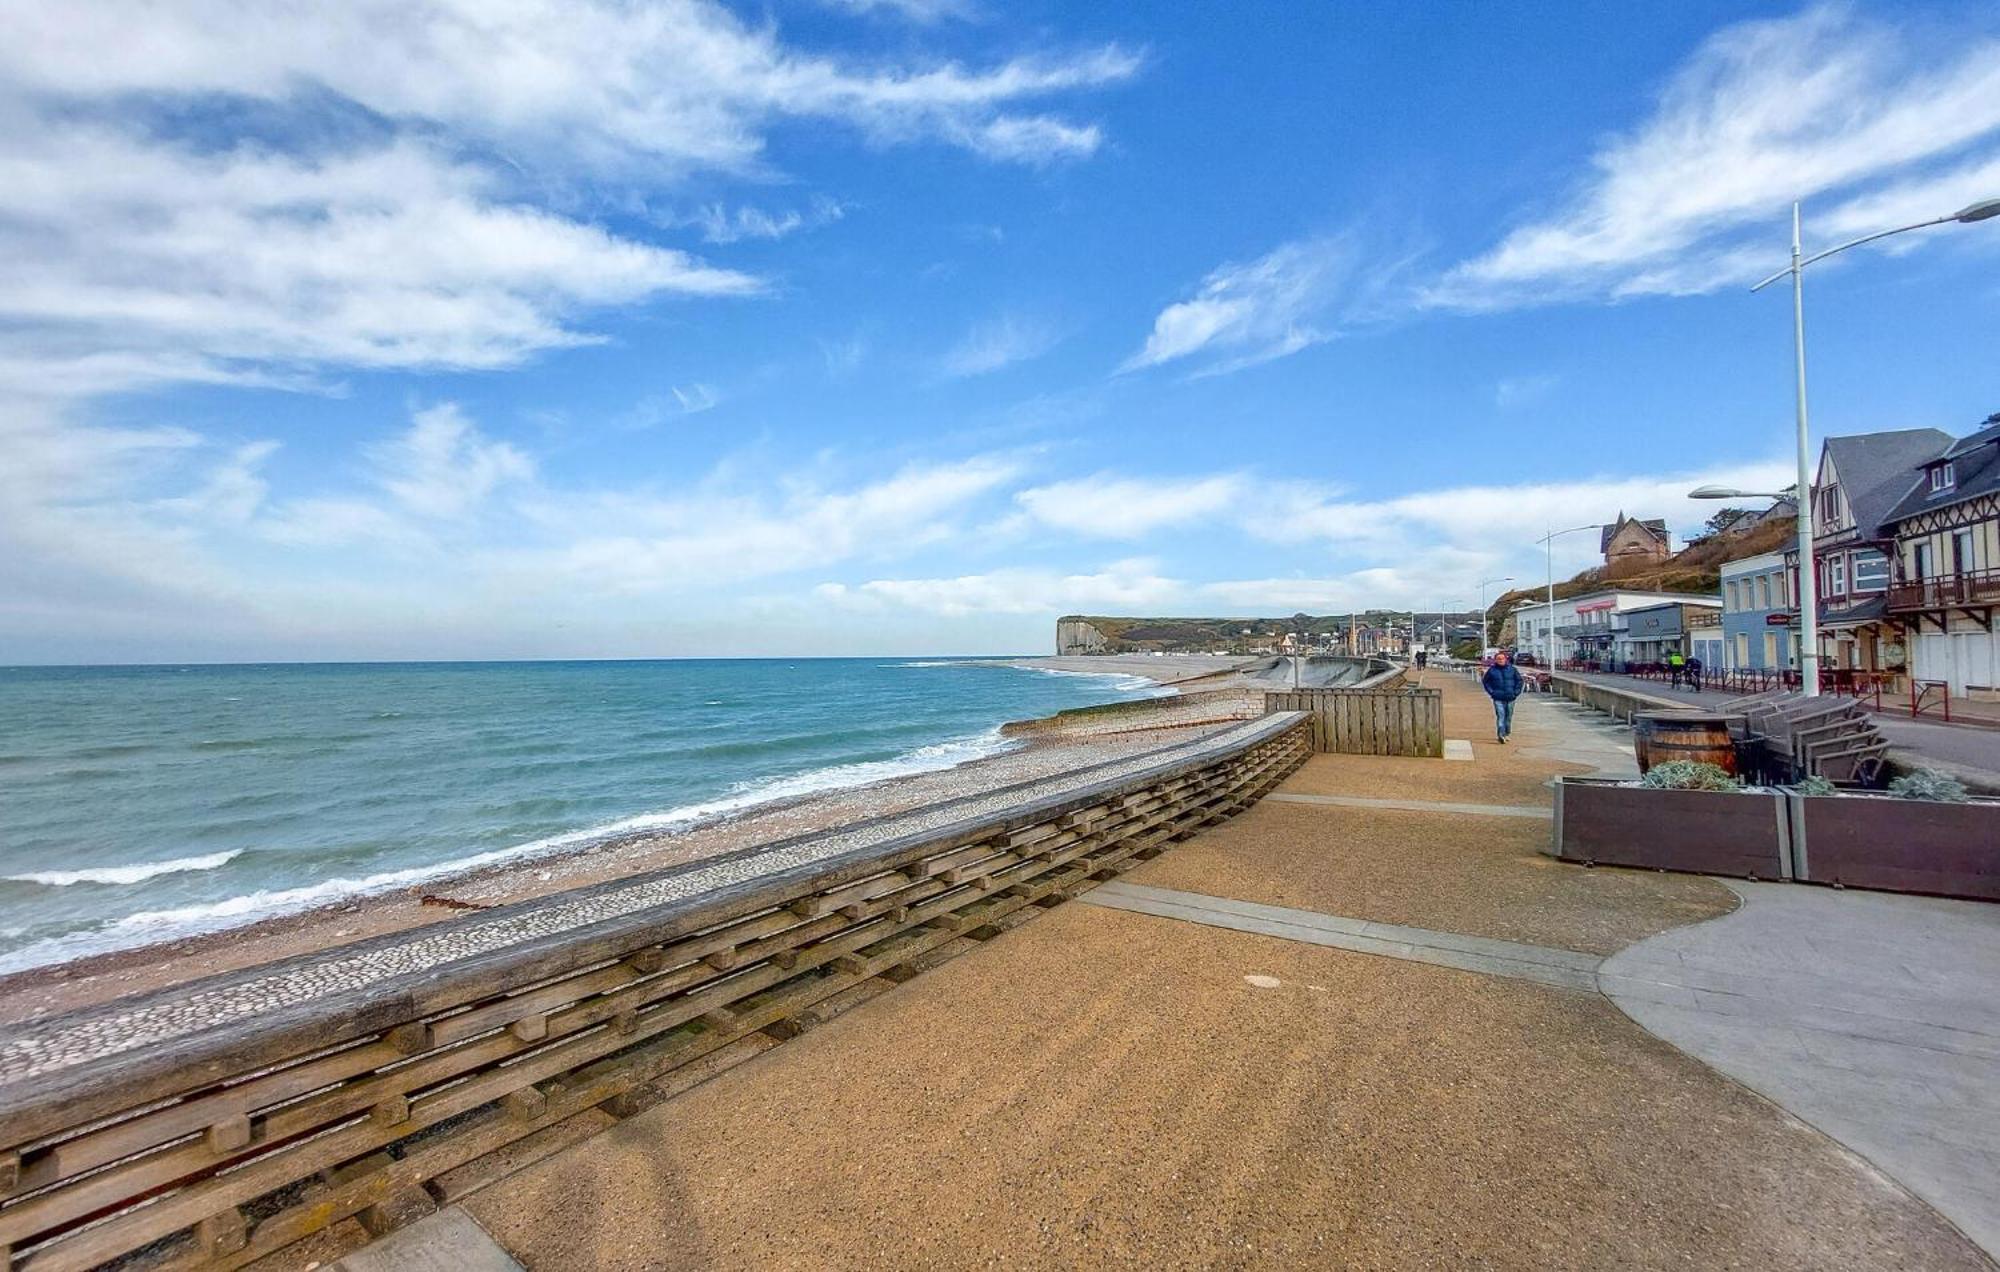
(217, 1122)
(1386, 721)
(1969, 587)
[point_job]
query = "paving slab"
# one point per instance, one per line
(1873, 1017)
(448, 1241)
(1565, 969)
(1417, 805)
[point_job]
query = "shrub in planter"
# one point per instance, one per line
(1689, 775)
(1814, 784)
(1941, 841)
(1931, 785)
(1705, 827)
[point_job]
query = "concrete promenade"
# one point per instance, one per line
(1357, 1025)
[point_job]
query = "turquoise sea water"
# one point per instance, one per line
(140, 804)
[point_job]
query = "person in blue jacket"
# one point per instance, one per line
(1502, 683)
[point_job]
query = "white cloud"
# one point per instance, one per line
(922, 11)
(613, 86)
(215, 191)
(444, 467)
(1764, 113)
(155, 261)
(1296, 296)
(720, 535)
(1127, 586)
(726, 225)
(1497, 515)
(1114, 507)
(997, 343)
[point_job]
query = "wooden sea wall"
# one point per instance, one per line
(1378, 721)
(374, 1069)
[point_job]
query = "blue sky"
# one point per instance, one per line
(450, 329)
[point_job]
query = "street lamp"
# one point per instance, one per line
(1483, 585)
(1984, 210)
(1549, 542)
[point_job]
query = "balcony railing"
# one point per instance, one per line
(1970, 587)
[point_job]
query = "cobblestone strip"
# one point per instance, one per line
(61, 1042)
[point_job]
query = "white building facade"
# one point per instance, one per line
(1586, 626)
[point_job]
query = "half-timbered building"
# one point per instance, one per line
(1946, 529)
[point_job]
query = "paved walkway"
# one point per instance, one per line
(1874, 1017)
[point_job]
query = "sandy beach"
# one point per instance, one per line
(1208, 693)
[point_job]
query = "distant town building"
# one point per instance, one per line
(1629, 541)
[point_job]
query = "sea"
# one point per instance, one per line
(145, 804)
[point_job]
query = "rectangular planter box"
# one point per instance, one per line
(1898, 845)
(1602, 821)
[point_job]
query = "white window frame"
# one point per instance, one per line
(1836, 574)
(1943, 477)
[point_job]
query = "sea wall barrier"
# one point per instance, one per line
(1387, 720)
(1620, 704)
(216, 1122)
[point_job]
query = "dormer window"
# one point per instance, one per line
(1943, 476)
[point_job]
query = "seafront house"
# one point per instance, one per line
(1861, 479)
(1759, 627)
(1946, 530)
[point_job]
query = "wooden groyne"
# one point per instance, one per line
(217, 1122)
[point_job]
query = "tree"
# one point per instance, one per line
(1725, 520)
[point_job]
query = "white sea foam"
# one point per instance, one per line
(137, 873)
(1122, 681)
(154, 926)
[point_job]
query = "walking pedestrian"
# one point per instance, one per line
(1502, 683)
(1693, 670)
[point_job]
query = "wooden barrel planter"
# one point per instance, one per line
(1660, 736)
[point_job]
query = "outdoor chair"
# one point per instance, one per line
(1856, 766)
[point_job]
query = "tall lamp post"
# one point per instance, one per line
(1808, 583)
(1483, 585)
(1548, 541)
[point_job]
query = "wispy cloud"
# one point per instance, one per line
(1131, 586)
(204, 191)
(721, 224)
(1517, 391)
(1114, 507)
(1296, 296)
(999, 342)
(1825, 103)
(921, 11)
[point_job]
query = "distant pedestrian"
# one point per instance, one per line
(1693, 671)
(1502, 683)
(1676, 667)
